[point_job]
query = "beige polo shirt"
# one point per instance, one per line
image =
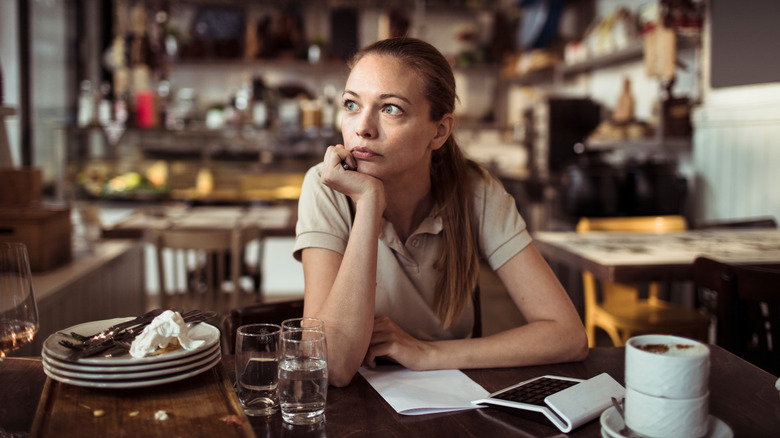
(405, 274)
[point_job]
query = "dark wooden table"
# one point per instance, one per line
(741, 395)
(643, 257)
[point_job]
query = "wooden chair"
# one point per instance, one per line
(271, 313)
(202, 268)
(621, 312)
(747, 308)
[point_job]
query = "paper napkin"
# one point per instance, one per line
(167, 327)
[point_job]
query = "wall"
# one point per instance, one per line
(736, 153)
(735, 148)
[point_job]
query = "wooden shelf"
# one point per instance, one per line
(631, 53)
(271, 64)
(674, 143)
(545, 75)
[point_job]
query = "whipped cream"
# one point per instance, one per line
(165, 329)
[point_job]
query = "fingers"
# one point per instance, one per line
(377, 351)
(339, 156)
(386, 340)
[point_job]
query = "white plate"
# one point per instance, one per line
(71, 366)
(612, 424)
(131, 376)
(53, 349)
(122, 384)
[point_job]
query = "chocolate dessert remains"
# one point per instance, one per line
(662, 348)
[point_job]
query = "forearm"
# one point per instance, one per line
(554, 332)
(348, 307)
(539, 342)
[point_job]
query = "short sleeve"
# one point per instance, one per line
(324, 219)
(502, 231)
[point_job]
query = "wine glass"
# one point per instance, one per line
(18, 310)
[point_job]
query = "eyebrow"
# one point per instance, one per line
(381, 96)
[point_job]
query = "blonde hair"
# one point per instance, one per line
(458, 265)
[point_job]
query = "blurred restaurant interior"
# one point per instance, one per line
(115, 111)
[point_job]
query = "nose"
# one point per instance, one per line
(366, 127)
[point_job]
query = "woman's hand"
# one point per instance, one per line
(390, 341)
(347, 180)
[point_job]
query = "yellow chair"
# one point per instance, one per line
(621, 312)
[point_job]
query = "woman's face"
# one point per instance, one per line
(386, 124)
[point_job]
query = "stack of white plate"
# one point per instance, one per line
(127, 371)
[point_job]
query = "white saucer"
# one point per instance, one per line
(54, 350)
(612, 424)
(121, 384)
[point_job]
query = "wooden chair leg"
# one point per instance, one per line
(614, 336)
(626, 336)
(590, 330)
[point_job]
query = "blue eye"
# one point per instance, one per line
(392, 110)
(350, 105)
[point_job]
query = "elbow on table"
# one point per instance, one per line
(578, 348)
(340, 377)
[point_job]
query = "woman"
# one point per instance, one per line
(392, 225)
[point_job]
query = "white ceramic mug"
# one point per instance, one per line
(667, 366)
(659, 417)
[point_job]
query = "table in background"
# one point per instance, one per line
(641, 257)
(741, 395)
(277, 220)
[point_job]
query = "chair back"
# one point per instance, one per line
(746, 307)
(270, 313)
(202, 267)
(636, 224)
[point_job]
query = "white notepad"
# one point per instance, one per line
(424, 392)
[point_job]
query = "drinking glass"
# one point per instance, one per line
(18, 310)
(257, 374)
(304, 322)
(303, 375)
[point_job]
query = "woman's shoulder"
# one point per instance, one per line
(312, 180)
(483, 183)
(314, 171)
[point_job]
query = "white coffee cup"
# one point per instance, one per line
(667, 366)
(659, 417)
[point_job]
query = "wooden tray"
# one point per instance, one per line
(203, 405)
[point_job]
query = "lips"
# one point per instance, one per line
(362, 153)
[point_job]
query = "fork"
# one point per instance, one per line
(142, 321)
(124, 339)
(107, 333)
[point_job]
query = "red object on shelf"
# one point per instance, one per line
(145, 113)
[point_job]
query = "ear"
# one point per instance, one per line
(443, 131)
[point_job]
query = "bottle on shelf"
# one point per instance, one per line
(260, 116)
(86, 108)
(104, 107)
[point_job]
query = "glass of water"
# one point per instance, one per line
(257, 375)
(303, 322)
(303, 375)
